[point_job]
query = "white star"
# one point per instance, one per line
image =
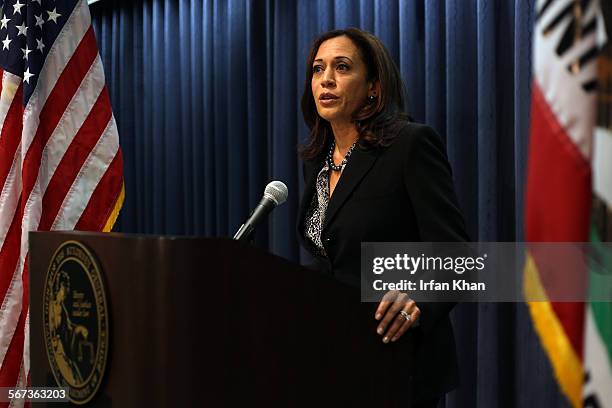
(26, 51)
(53, 15)
(27, 75)
(22, 29)
(17, 6)
(6, 43)
(40, 45)
(4, 21)
(39, 21)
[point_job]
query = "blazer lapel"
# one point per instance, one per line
(360, 162)
(311, 170)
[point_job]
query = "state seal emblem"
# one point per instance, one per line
(76, 321)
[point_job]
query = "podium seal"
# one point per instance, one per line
(75, 317)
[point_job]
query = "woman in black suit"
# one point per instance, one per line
(373, 176)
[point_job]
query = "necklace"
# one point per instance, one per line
(330, 155)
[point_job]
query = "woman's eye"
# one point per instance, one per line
(342, 67)
(317, 69)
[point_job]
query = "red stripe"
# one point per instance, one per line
(9, 372)
(55, 106)
(558, 196)
(1, 77)
(13, 360)
(571, 316)
(558, 203)
(78, 151)
(11, 249)
(11, 135)
(104, 197)
(11, 366)
(9, 254)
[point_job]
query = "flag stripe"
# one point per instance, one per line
(8, 89)
(12, 362)
(10, 176)
(82, 189)
(102, 203)
(9, 198)
(3, 73)
(9, 254)
(68, 127)
(10, 126)
(10, 311)
(9, 147)
(78, 151)
(567, 184)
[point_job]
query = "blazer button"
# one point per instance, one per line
(327, 240)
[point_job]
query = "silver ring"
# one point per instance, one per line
(406, 315)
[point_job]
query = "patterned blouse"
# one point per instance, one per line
(315, 217)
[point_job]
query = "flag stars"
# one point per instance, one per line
(27, 75)
(26, 51)
(17, 7)
(6, 42)
(39, 45)
(22, 29)
(39, 20)
(4, 21)
(53, 15)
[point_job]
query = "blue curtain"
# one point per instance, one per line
(206, 95)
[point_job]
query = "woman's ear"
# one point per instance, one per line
(374, 88)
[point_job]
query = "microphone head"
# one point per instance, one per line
(276, 191)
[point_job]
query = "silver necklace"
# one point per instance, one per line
(330, 155)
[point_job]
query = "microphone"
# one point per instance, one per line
(275, 194)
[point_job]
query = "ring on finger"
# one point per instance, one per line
(406, 315)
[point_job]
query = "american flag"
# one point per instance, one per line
(60, 163)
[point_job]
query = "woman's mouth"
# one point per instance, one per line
(327, 99)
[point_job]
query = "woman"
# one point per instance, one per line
(371, 175)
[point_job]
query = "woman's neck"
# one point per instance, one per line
(345, 134)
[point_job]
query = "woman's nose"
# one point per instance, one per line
(328, 79)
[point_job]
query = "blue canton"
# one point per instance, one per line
(28, 29)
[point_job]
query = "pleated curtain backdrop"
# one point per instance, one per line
(206, 96)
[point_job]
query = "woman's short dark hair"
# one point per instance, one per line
(377, 122)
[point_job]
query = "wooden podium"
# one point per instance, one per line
(212, 322)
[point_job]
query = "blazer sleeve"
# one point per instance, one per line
(429, 183)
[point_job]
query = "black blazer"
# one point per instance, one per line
(401, 193)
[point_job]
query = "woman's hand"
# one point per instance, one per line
(399, 311)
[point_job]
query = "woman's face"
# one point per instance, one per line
(339, 80)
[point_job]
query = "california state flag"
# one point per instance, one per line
(559, 178)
